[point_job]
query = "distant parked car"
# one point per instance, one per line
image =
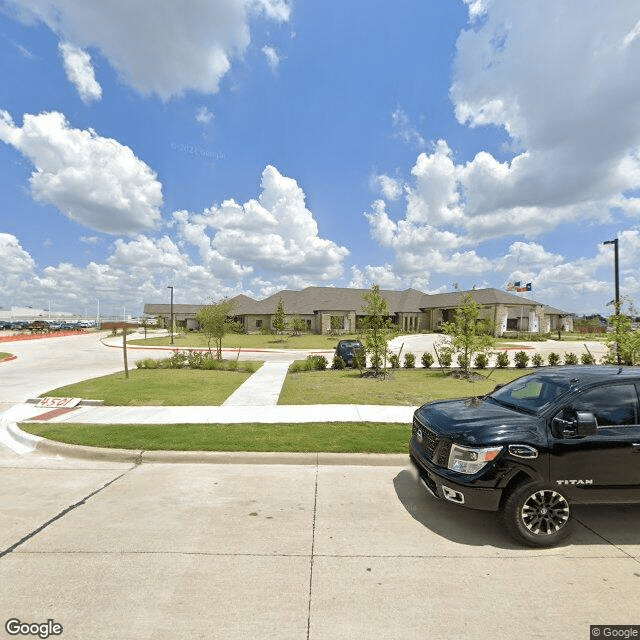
(346, 349)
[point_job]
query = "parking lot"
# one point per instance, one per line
(320, 551)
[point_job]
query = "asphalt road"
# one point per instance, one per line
(237, 551)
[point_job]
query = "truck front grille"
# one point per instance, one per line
(435, 449)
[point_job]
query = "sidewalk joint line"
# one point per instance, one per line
(60, 515)
(313, 542)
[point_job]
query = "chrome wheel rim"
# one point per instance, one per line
(545, 512)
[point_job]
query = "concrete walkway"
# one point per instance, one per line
(261, 388)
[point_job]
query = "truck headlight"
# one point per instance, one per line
(469, 460)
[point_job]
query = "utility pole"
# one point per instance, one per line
(614, 242)
(171, 287)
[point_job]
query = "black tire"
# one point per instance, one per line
(537, 515)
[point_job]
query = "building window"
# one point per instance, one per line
(258, 324)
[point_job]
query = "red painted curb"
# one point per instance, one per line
(38, 336)
(7, 359)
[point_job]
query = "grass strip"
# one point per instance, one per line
(400, 387)
(157, 387)
(337, 437)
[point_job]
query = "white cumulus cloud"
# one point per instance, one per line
(162, 47)
(95, 181)
(275, 234)
(79, 70)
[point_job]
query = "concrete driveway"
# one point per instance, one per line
(319, 551)
(240, 551)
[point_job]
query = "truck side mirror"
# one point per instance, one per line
(585, 424)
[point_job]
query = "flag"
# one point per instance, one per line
(521, 288)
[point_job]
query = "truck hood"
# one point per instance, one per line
(481, 422)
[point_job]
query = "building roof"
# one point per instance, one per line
(326, 299)
(481, 296)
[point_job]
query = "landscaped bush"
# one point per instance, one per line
(502, 361)
(147, 363)
(338, 362)
(394, 361)
(537, 360)
(376, 362)
(409, 360)
(177, 360)
(481, 361)
(317, 363)
(587, 358)
(446, 355)
(427, 360)
(554, 359)
(521, 359)
(463, 361)
(570, 358)
(360, 359)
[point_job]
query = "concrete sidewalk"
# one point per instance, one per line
(261, 388)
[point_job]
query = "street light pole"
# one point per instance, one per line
(614, 242)
(170, 287)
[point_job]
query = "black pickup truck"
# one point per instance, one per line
(534, 447)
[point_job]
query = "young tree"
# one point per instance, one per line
(470, 334)
(298, 325)
(280, 318)
(623, 342)
(214, 322)
(377, 327)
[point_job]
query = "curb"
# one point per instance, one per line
(9, 358)
(137, 456)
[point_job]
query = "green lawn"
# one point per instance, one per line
(4, 355)
(353, 437)
(178, 387)
(407, 387)
(193, 340)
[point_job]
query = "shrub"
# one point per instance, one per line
(481, 361)
(570, 358)
(502, 360)
(463, 361)
(554, 359)
(147, 363)
(338, 362)
(177, 360)
(409, 360)
(537, 360)
(521, 359)
(317, 363)
(360, 359)
(587, 358)
(427, 360)
(446, 356)
(376, 361)
(394, 361)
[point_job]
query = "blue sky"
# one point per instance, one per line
(248, 146)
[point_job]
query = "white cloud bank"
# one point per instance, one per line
(274, 235)
(255, 248)
(95, 181)
(162, 47)
(559, 79)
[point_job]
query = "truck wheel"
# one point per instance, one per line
(537, 515)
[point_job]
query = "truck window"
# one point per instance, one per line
(612, 405)
(529, 393)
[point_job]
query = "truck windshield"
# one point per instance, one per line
(530, 393)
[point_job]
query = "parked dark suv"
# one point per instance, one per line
(346, 349)
(534, 447)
